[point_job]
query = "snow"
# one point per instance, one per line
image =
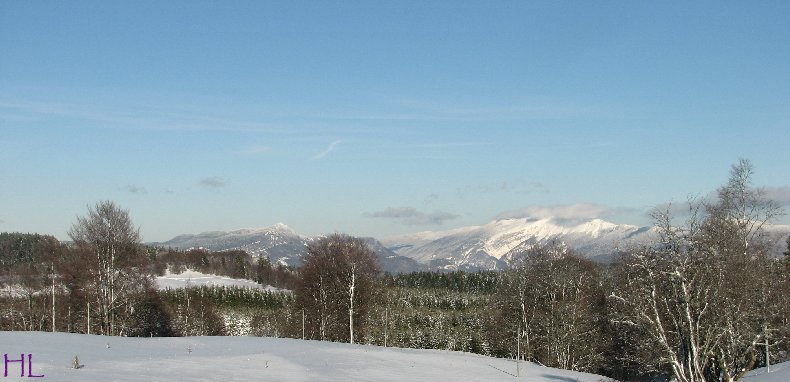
(498, 238)
(597, 227)
(779, 373)
(12, 291)
(191, 278)
(254, 359)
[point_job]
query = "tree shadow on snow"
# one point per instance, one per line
(559, 378)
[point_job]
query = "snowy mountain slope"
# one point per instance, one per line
(488, 246)
(493, 245)
(282, 245)
(390, 261)
(279, 242)
(253, 359)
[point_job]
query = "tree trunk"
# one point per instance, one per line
(351, 287)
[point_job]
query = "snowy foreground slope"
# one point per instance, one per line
(253, 359)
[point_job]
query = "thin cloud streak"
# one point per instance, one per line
(254, 150)
(412, 216)
(127, 117)
(327, 151)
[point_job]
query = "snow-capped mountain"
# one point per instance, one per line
(493, 245)
(281, 244)
(487, 247)
(490, 246)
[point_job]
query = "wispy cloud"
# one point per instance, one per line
(213, 182)
(327, 151)
(529, 108)
(779, 194)
(136, 189)
(449, 145)
(534, 188)
(431, 198)
(253, 150)
(487, 188)
(412, 216)
(682, 210)
(574, 212)
(133, 115)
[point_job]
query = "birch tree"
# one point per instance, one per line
(702, 295)
(337, 287)
(107, 232)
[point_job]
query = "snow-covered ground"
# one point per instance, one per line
(254, 359)
(779, 373)
(13, 291)
(191, 278)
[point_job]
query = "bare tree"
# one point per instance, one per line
(337, 280)
(555, 299)
(108, 233)
(703, 295)
(742, 210)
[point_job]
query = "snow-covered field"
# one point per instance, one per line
(191, 278)
(105, 359)
(253, 359)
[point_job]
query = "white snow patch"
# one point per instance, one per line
(191, 278)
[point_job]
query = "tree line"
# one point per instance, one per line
(103, 281)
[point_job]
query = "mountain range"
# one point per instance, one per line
(283, 245)
(487, 247)
(493, 245)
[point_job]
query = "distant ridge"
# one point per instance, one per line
(280, 244)
(486, 247)
(493, 245)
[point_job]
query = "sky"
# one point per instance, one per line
(380, 118)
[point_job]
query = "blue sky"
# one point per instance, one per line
(383, 117)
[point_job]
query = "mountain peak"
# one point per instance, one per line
(283, 228)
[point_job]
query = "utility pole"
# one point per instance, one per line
(518, 351)
(767, 345)
(53, 298)
(386, 322)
